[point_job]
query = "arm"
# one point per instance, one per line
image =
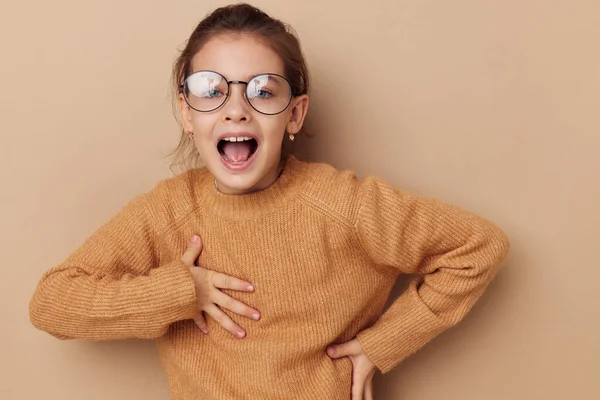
(112, 287)
(455, 253)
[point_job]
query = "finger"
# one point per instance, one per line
(223, 281)
(358, 386)
(224, 320)
(201, 322)
(350, 348)
(369, 389)
(193, 250)
(229, 303)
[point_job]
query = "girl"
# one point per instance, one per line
(316, 250)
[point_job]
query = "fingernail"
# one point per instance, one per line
(330, 351)
(195, 238)
(251, 288)
(256, 316)
(205, 331)
(241, 334)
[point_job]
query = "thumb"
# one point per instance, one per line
(194, 248)
(341, 350)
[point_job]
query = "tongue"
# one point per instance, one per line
(237, 151)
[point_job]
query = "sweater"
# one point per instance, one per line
(322, 248)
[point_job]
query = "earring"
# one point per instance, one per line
(291, 137)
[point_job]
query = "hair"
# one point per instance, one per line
(236, 19)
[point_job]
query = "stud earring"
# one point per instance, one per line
(291, 137)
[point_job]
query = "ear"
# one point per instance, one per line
(299, 107)
(186, 114)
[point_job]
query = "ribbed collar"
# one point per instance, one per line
(252, 205)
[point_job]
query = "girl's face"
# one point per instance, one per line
(240, 166)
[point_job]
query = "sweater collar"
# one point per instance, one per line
(255, 204)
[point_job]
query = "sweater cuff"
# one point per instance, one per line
(176, 297)
(406, 327)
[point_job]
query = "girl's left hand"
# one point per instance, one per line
(363, 369)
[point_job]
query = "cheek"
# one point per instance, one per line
(203, 127)
(203, 123)
(274, 126)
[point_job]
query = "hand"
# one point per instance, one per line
(363, 369)
(210, 298)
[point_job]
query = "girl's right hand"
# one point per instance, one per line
(210, 298)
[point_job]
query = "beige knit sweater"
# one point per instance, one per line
(323, 250)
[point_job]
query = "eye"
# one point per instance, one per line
(263, 94)
(213, 93)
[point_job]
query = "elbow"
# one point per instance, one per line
(44, 317)
(42, 321)
(501, 245)
(497, 247)
(36, 311)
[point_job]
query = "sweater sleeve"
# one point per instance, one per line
(454, 253)
(112, 287)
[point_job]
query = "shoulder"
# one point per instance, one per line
(174, 198)
(326, 180)
(344, 193)
(333, 190)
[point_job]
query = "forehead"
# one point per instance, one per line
(237, 57)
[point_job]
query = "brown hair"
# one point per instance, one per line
(242, 19)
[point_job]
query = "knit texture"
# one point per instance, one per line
(323, 250)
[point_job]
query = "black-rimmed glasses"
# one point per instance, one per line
(206, 91)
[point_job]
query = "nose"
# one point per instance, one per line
(236, 107)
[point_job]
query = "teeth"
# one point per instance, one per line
(237, 139)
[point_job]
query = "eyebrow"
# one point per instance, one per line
(271, 80)
(248, 77)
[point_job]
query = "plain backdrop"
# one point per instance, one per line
(492, 106)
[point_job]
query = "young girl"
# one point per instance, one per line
(315, 249)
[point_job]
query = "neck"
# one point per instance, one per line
(266, 181)
(282, 189)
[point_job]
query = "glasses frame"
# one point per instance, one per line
(183, 87)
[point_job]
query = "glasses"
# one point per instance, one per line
(205, 91)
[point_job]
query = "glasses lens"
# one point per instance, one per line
(205, 91)
(269, 94)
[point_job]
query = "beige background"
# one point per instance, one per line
(489, 105)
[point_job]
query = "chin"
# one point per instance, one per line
(238, 183)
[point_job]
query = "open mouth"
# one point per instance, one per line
(237, 151)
